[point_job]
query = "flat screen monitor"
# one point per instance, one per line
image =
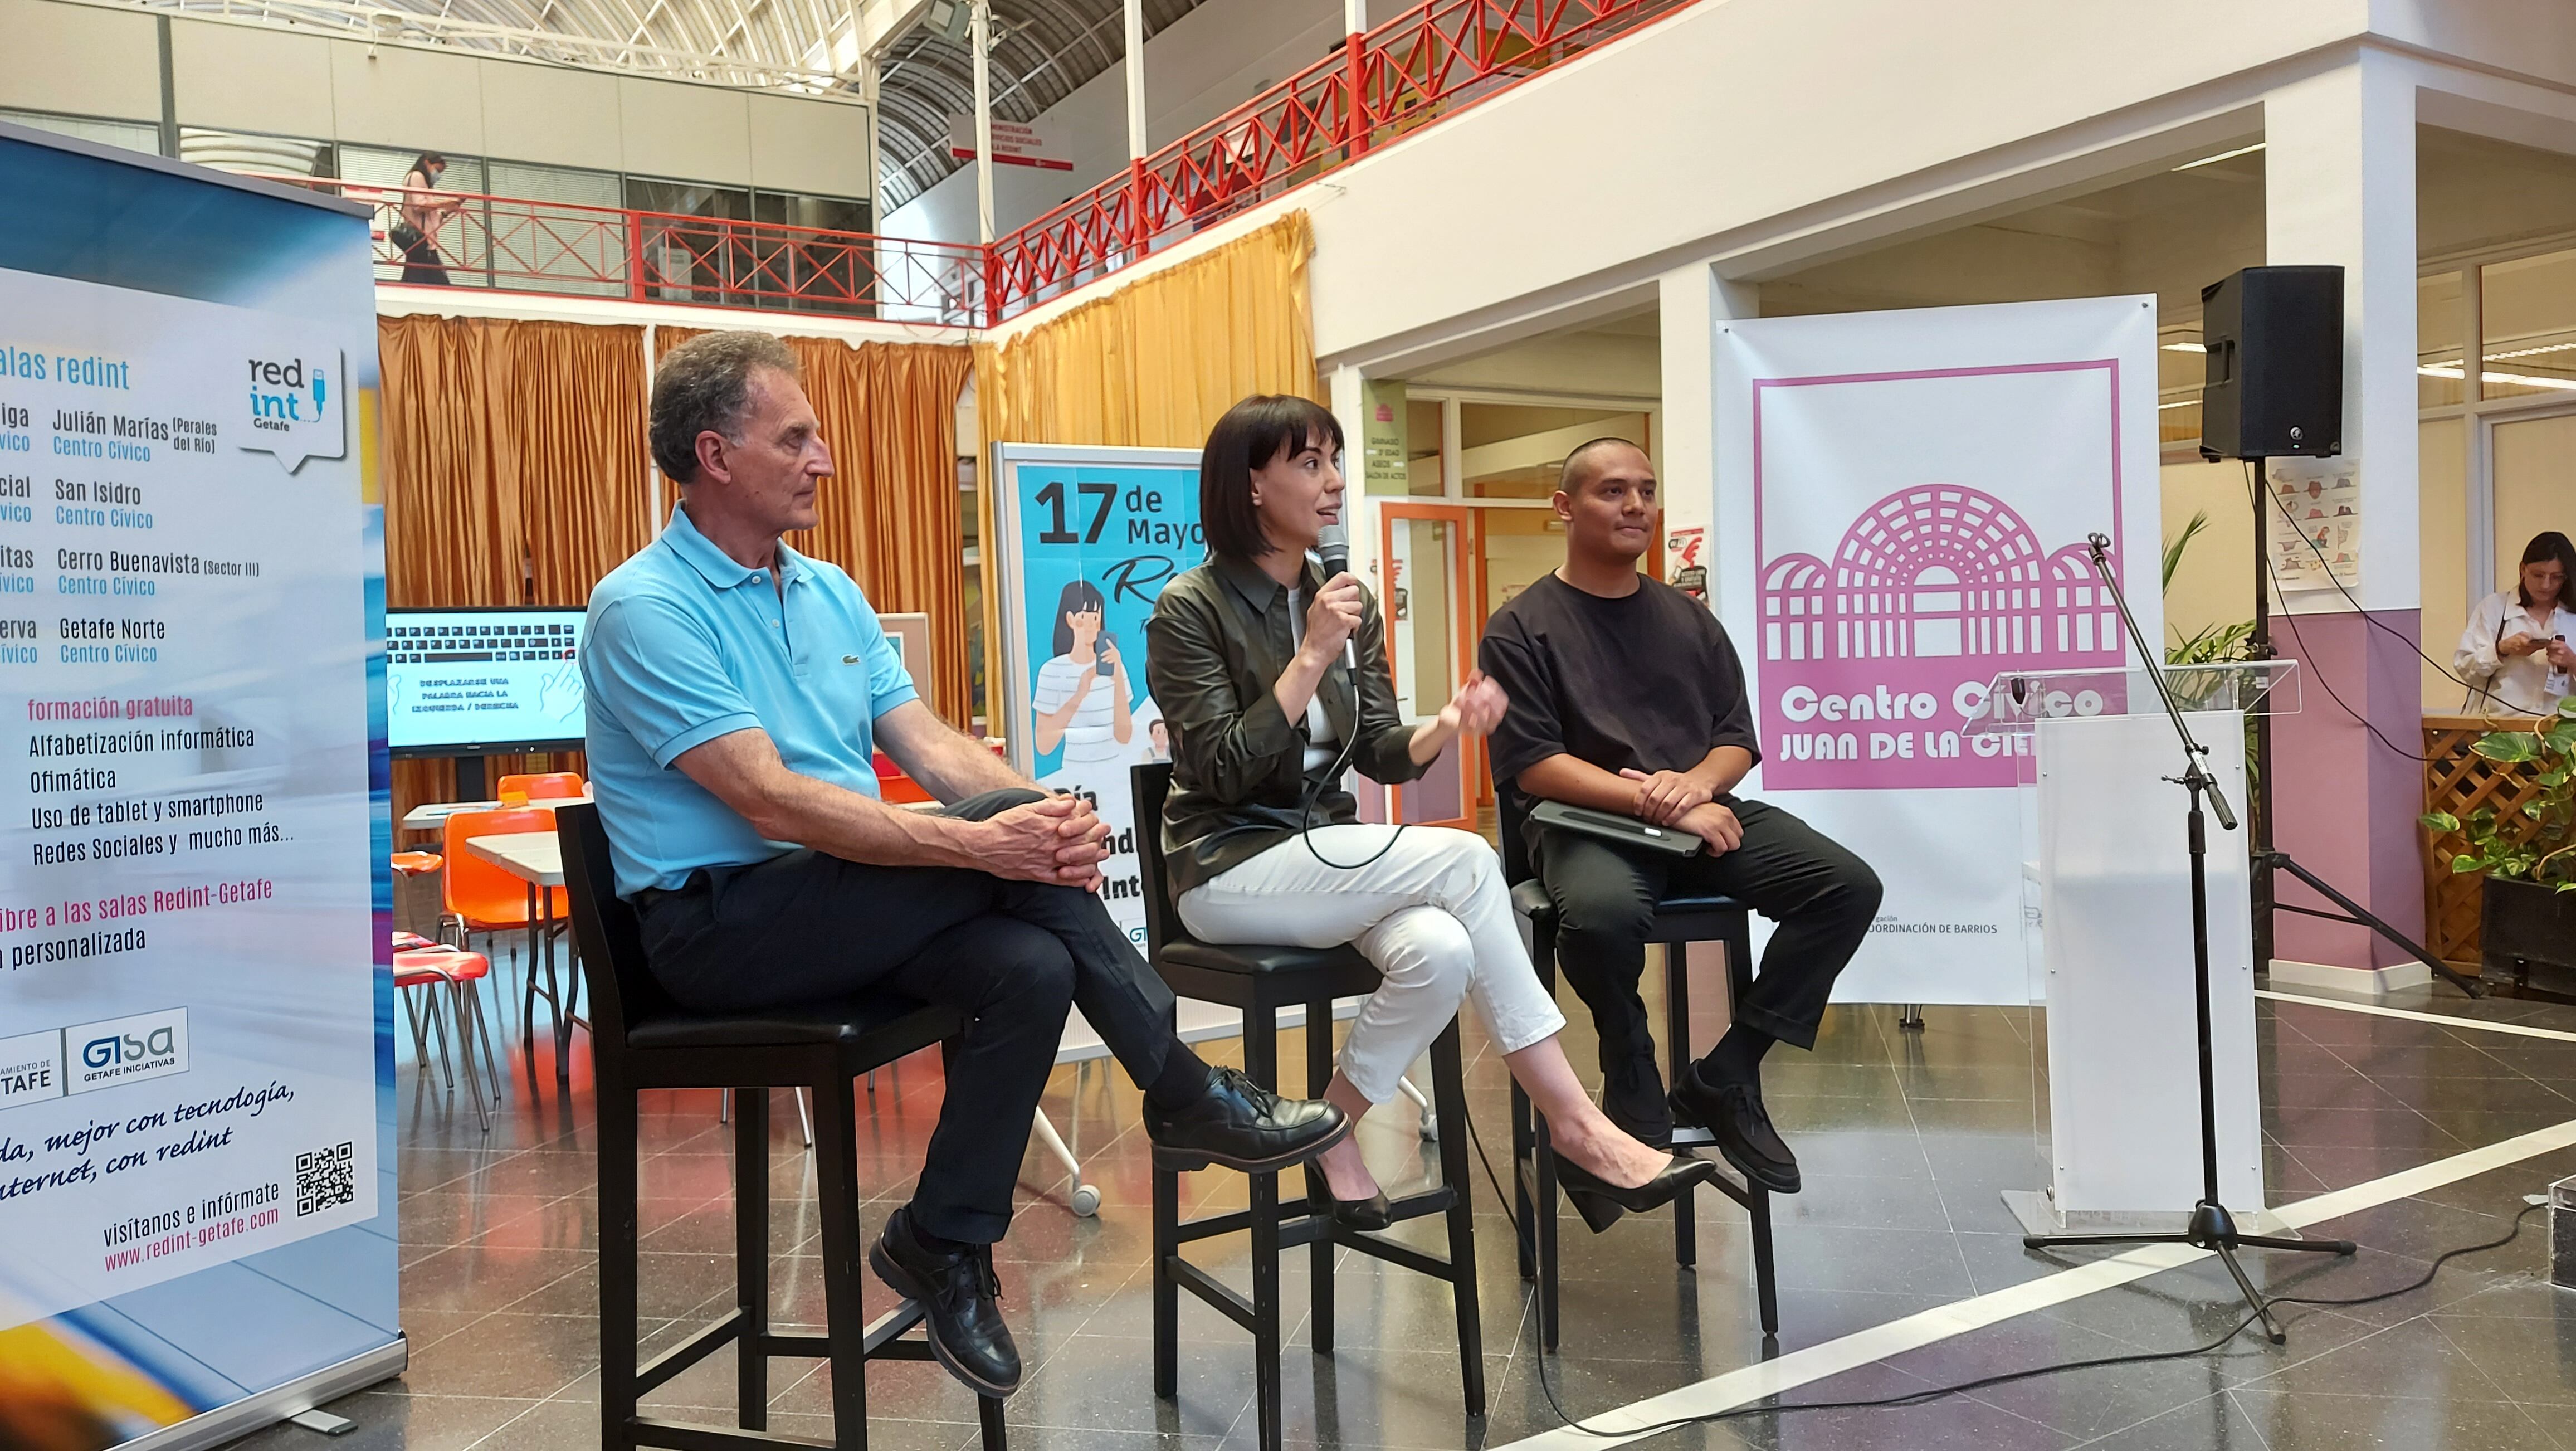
(480, 682)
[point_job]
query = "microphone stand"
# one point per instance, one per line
(2211, 1227)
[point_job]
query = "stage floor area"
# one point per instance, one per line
(1907, 1137)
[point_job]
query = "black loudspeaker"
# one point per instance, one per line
(2275, 383)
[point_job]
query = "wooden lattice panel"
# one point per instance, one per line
(2459, 780)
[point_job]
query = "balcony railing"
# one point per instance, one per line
(515, 244)
(1430, 62)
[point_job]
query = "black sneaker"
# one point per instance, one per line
(1632, 1097)
(960, 1299)
(1734, 1116)
(1242, 1125)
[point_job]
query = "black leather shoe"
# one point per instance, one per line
(1373, 1213)
(1244, 1126)
(960, 1300)
(1600, 1202)
(1734, 1116)
(1632, 1096)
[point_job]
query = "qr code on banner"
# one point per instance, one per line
(326, 1179)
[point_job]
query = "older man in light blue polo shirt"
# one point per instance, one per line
(737, 692)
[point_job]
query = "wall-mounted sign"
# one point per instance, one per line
(1015, 143)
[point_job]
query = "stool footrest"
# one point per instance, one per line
(1219, 1295)
(1402, 1255)
(724, 1331)
(883, 1330)
(682, 1436)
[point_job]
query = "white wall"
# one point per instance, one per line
(1214, 58)
(94, 61)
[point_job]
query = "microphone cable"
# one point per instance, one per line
(1929, 1394)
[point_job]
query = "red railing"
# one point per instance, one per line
(516, 244)
(1430, 62)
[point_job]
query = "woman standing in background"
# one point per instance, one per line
(2514, 654)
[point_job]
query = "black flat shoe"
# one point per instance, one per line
(1734, 1116)
(1601, 1202)
(960, 1299)
(1244, 1126)
(1374, 1212)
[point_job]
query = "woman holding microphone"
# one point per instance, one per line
(2514, 654)
(1247, 658)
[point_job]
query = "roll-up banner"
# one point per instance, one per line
(196, 1054)
(1902, 502)
(1087, 539)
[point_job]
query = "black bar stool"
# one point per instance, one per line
(1678, 921)
(1260, 980)
(641, 1040)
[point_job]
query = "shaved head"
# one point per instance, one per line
(1588, 459)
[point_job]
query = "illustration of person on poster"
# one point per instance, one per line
(1084, 711)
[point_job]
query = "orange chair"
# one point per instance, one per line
(547, 786)
(426, 969)
(481, 897)
(417, 863)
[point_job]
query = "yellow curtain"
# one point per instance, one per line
(1151, 365)
(516, 472)
(889, 513)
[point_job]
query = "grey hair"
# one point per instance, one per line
(1573, 474)
(702, 386)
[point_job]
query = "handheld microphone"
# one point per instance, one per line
(1333, 545)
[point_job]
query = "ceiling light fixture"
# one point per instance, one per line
(2222, 156)
(2186, 347)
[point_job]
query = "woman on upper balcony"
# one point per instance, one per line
(2515, 654)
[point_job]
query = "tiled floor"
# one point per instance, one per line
(1907, 1138)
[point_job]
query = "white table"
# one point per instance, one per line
(430, 817)
(536, 858)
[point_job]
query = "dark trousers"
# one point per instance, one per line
(808, 927)
(1822, 896)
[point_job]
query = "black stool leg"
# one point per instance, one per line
(837, 1199)
(751, 1253)
(1525, 1239)
(1543, 1215)
(1678, 1040)
(617, 1236)
(988, 1414)
(1319, 1071)
(1449, 1101)
(1167, 1289)
(1765, 1282)
(1261, 1065)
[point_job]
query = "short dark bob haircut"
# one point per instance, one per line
(1252, 435)
(2547, 545)
(1081, 597)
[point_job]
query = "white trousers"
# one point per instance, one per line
(1432, 914)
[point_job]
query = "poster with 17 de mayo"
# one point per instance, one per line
(188, 1040)
(1089, 538)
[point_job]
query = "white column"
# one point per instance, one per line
(1136, 140)
(981, 39)
(868, 78)
(1349, 398)
(2339, 188)
(1693, 301)
(1354, 16)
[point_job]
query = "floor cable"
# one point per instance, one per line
(1933, 1393)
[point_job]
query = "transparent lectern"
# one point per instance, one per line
(2109, 937)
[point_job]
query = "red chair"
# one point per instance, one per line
(544, 786)
(421, 971)
(480, 897)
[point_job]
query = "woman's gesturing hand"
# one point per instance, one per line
(1478, 706)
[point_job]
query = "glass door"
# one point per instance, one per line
(1428, 594)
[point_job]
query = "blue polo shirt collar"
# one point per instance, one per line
(719, 569)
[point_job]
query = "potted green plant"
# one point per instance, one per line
(2527, 925)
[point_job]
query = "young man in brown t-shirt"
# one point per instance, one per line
(1627, 697)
